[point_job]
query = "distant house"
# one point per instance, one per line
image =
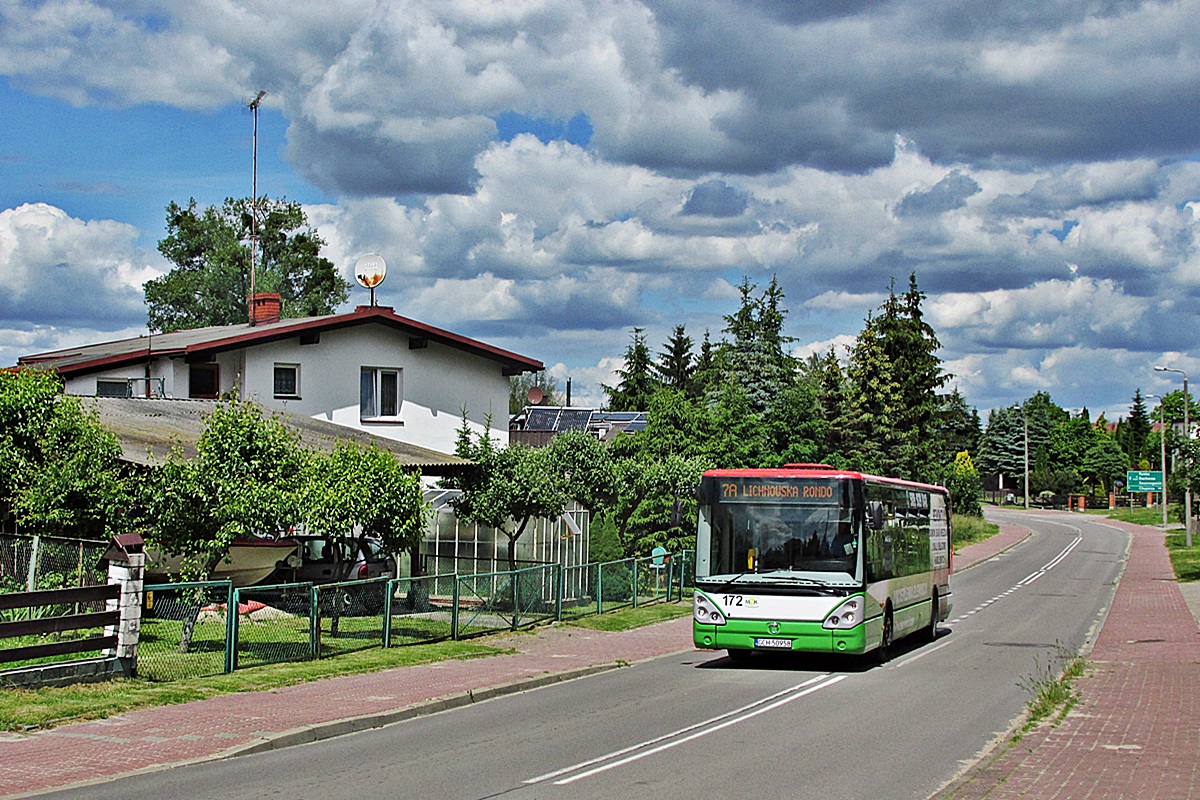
(369, 369)
(537, 425)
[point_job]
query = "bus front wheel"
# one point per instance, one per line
(884, 653)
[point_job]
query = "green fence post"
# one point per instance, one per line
(635, 583)
(234, 603)
(454, 610)
(600, 588)
(231, 629)
(559, 577)
(516, 597)
(391, 587)
(314, 624)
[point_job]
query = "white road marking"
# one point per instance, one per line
(1028, 579)
(924, 651)
(643, 749)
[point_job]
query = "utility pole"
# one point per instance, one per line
(1025, 413)
(1187, 435)
(1162, 441)
(254, 104)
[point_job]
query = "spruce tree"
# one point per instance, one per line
(754, 358)
(1135, 431)
(637, 383)
(675, 363)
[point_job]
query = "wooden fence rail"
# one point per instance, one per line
(60, 623)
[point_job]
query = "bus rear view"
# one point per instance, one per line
(812, 559)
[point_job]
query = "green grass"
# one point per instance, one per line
(629, 618)
(1185, 560)
(1051, 689)
(25, 709)
(969, 530)
(1136, 515)
(30, 709)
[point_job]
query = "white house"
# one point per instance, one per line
(369, 369)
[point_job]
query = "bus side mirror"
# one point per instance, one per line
(875, 516)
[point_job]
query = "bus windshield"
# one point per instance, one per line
(798, 532)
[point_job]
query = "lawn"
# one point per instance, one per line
(31, 709)
(1185, 560)
(1140, 515)
(969, 530)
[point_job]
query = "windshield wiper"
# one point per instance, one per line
(733, 580)
(788, 574)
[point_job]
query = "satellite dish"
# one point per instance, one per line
(369, 271)
(536, 396)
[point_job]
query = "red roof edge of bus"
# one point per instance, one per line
(818, 471)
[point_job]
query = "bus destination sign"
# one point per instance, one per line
(785, 491)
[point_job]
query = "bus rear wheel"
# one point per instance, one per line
(931, 632)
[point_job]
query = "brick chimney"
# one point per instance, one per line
(264, 308)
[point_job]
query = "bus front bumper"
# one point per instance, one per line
(803, 637)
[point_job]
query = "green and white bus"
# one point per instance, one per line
(815, 559)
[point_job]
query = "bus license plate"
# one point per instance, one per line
(778, 644)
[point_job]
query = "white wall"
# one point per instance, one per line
(437, 382)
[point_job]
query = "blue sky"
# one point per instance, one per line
(126, 163)
(547, 176)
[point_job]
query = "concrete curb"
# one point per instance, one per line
(328, 730)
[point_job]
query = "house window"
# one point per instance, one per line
(287, 380)
(119, 388)
(204, 381)
(379, 393)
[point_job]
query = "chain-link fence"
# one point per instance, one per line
(188, 630)
(422, 610)
(686, 572)
(504, 600)
(185, 631)
(274, 624)
(33, 563)
(615, 581)
(350, 616)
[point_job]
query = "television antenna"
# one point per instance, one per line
(254, 104)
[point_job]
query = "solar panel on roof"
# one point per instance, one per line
(574, 419)
(541, 419)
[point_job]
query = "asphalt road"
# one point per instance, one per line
(695, 725)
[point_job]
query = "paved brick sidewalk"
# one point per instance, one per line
(1136, 731)
(205, 729)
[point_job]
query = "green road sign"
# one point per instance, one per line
(1145, 481)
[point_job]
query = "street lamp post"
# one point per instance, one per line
(1025, 413)
(1162, 441)
(1187, 434)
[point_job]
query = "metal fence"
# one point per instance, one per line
(422, 610)
(350, 616)
(504, 600)
(31, 563)
(188, 630)
(185, 631)
(275, 624)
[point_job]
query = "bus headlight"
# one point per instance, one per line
(845, 616)
(705, 612)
